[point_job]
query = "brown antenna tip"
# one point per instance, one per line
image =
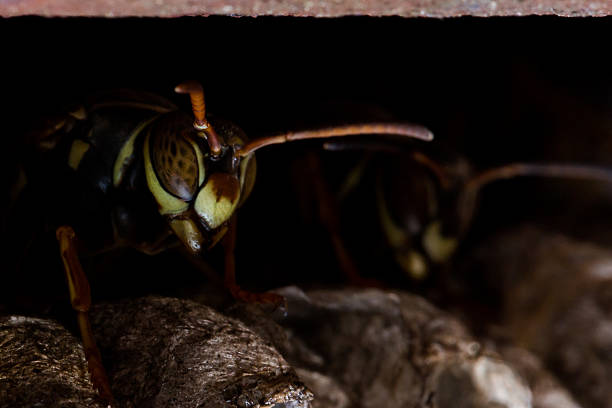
(196, 93)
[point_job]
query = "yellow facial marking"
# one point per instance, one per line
(395, 235)
(438, 247)
(126, 153)
(218, 199)
(168, 204)
(413, 263)
(77, 151)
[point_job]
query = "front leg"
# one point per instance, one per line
(229, 246)
(80, 297)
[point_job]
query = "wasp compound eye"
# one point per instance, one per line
(176, 163)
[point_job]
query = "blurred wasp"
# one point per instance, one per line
(127, 169)
(426, 199)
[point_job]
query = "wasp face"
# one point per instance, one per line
(196, 191)
(413, 215)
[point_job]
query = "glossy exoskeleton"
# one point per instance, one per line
(128, 169)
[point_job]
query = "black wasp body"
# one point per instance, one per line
(113, 166)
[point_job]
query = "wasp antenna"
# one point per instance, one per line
(438, 171)
(552, 170)
(384, 128)
(383, 146)
(467, 197)
(394, 148)
(196, 93)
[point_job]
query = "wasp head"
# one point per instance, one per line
(198, 183)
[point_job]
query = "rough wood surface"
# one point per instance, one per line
(370, 348)
(557, 301)
(165, 352)
(42, 365)
(352, 348)
(328, 8)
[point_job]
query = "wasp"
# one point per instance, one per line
(426, 199)
(129, 169)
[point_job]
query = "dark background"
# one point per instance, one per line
(495, 90)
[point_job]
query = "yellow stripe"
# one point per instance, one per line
(438, 247)
(214, 210)
(77, 151)
(395, 235)
(125, 154)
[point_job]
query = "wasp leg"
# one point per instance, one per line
(329, 214)
(80, 297)
(229, 246)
